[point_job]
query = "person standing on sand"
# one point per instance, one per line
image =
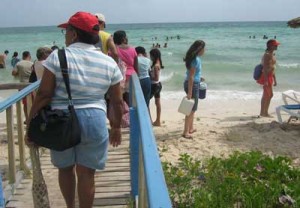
(156, 86)
(268, 78)
(191, 84)
(3, 59)
(107, 42)
(144, 68)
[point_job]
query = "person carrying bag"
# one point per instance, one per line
(56, 129)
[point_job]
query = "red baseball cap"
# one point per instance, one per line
(84, 21)
(273, 42)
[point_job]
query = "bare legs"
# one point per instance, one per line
(158, 112)
(86, 185)
(188, 125)
(266, 100)
(67, 184)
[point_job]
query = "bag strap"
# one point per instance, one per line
(64, 71)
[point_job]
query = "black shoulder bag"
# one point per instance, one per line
(33, 77)
(56, 129)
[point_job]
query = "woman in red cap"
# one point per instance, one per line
(92, 74)
(268, 78)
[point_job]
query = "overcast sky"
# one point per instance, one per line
(16, 13)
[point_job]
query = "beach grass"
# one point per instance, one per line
(249, 179)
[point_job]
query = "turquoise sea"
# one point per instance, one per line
(227, 64)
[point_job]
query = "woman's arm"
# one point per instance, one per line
(275, 81)
(135, 65)
(191, 82)
(267, 67)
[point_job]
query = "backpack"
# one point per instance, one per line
(257, 71)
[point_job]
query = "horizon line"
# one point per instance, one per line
(136, 23)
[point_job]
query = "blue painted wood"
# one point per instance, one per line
(134, 152)
(2, 201)
(18, 96)
(158, 196)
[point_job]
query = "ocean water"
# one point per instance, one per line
(227, 64)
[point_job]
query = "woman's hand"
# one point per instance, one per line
(28, 141)
(115, 137)
(189, 97)
(266, 84)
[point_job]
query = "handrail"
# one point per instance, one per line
(8, 106)
(18, 96)
(147, 179)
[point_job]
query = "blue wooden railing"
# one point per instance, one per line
(147, 179)
(8, 105)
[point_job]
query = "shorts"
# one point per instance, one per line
(146, 88)
(155, 90)
(91, 152)
(195, 93)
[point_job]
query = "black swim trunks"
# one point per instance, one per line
(155, 90)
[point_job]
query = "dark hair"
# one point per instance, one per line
(193, 52)
(119, 37)
(43, 52)
(54, 47)
(25, 54)
(6, 51)
(155, 55)
(15, 54)
(140, 50)
(85, 37)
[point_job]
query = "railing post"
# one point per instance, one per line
(11, 145)
(2, 200)
(21, 138)
(143, 199)
(134, 151)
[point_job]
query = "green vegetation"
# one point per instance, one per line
(244, 180)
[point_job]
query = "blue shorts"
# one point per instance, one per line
(146, 88)
(195, 93)
(92, 150)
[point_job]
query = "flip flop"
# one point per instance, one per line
(187, 136)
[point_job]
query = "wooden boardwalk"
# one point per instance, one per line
(112, 184)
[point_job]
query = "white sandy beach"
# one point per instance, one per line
(224, 126)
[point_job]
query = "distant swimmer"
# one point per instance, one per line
(14, 59)
(165, 45)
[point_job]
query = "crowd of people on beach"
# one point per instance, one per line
(100, 88)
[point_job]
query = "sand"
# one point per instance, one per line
(224, 126)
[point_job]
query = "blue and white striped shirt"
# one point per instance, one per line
(91, 73)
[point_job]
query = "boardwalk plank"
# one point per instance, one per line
(112, 184)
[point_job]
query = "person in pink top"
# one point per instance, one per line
(128, 55)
